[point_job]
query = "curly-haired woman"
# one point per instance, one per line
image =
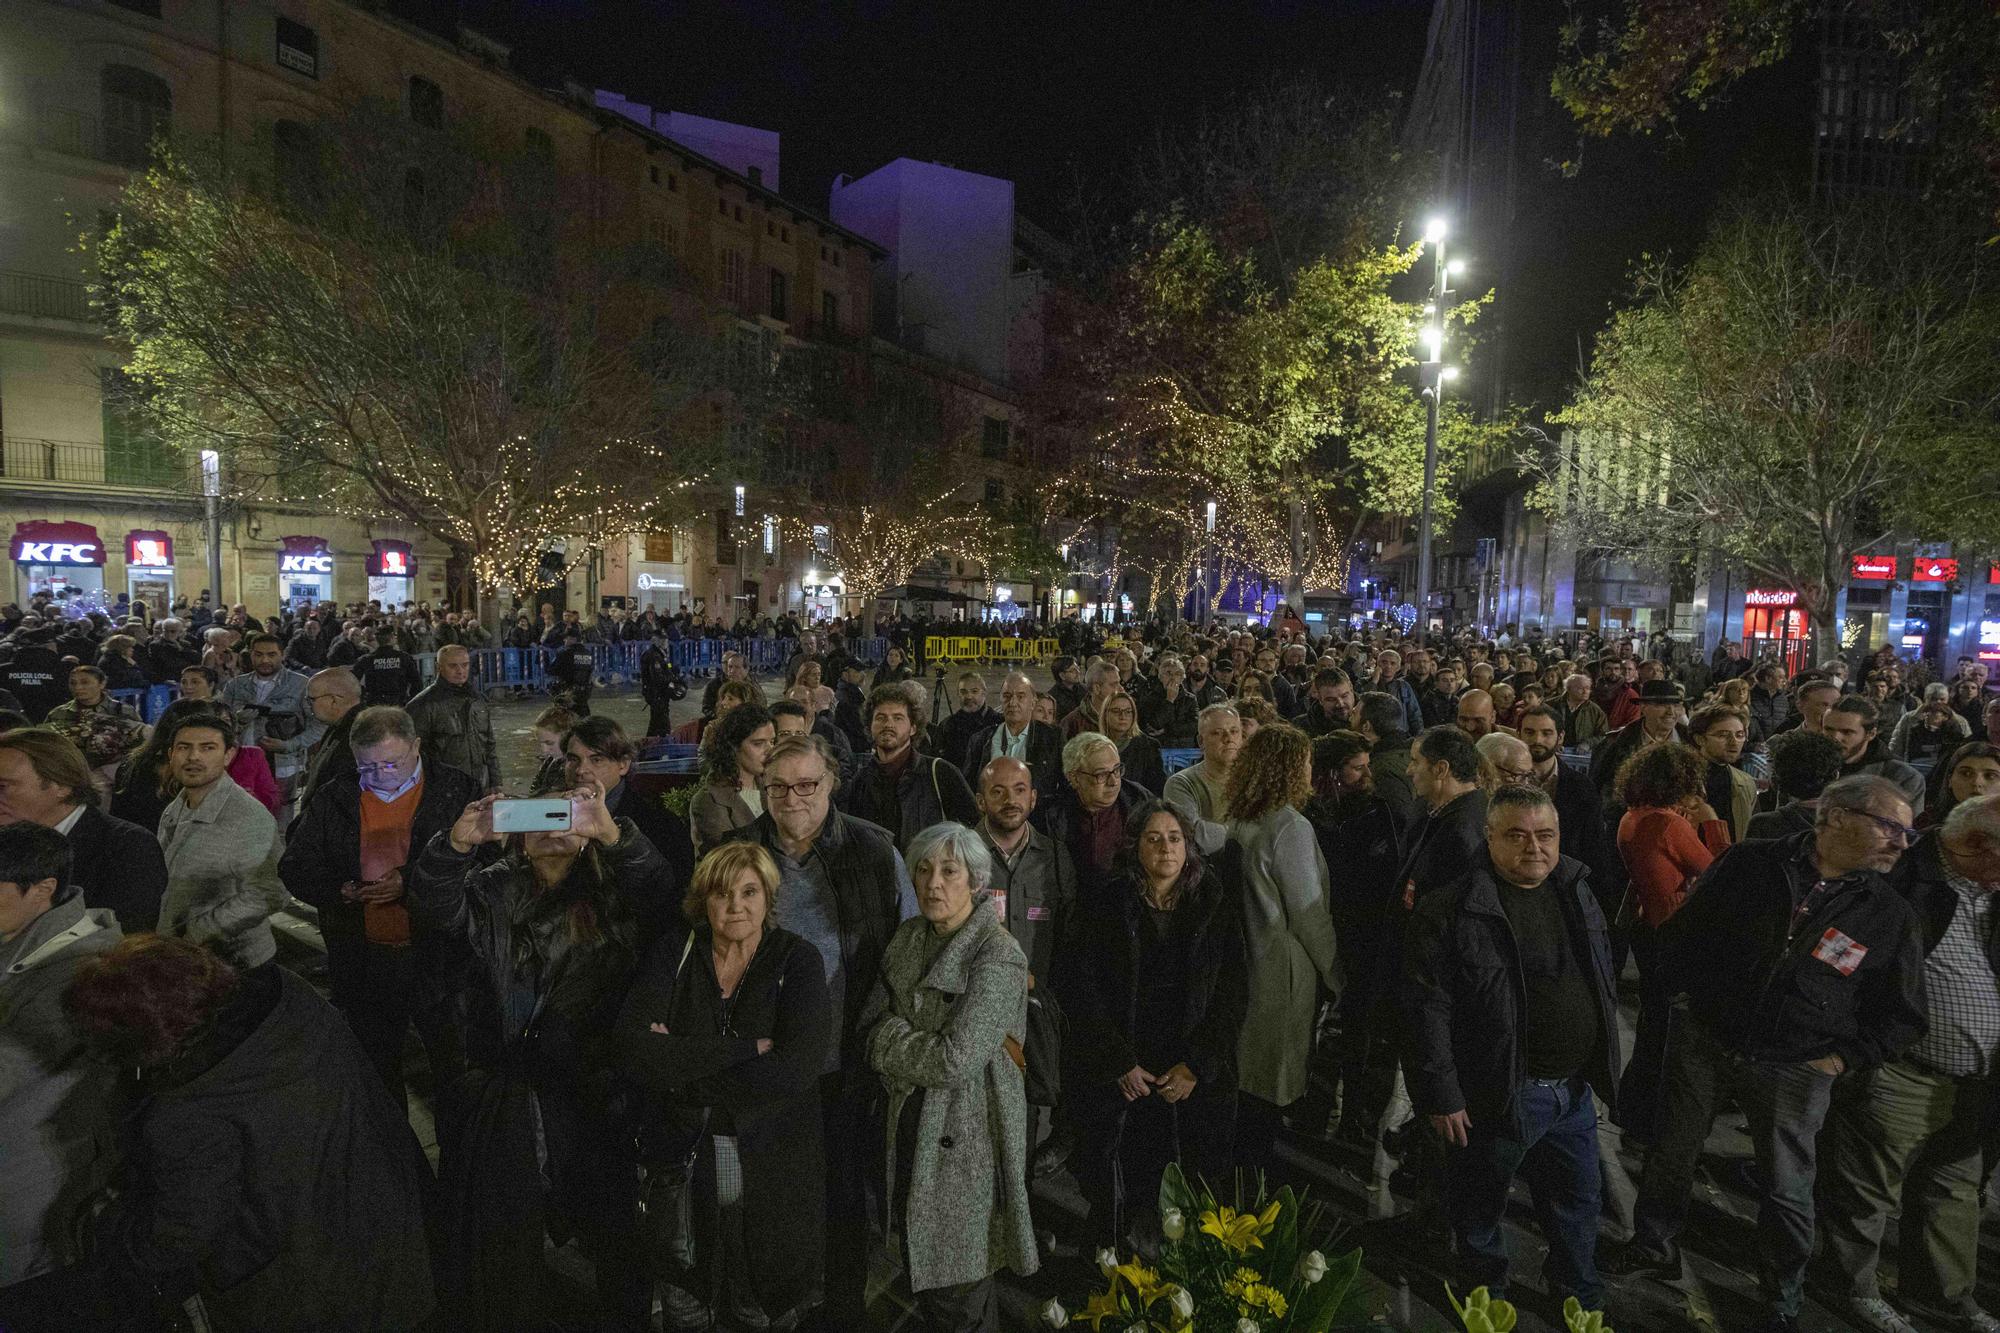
(1287, 927)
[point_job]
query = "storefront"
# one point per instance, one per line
(660, 588)
(149, 568)
(1927, 614)
(1774, 625)
(392, 574)
(305, 571)
(62, 560)
(1987, 641)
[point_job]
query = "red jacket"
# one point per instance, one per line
(1664, 855)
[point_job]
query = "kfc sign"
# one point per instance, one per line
(41, 542)
(1874, 567)
(392, 560)
(149, 550)
(304, 555)
(1934, 571)
(1770, 597)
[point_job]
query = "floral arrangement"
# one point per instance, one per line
(1239, 1268)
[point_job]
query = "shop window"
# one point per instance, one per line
(137, 108)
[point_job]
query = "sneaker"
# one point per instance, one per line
(1876, 1313)
(1054, 1154)
(1636, 1259)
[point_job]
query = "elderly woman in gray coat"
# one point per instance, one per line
(1288, 928)
(945, 1031)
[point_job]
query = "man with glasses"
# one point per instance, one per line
(333, 697)
(1504, 761)
(346, 855)
(1089, 817)
(842, 887)
(1801, 963)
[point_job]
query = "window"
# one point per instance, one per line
(770, 227)
(993, 438)
(756, 175)
(734, 276)
(722, 207)
(673, 183)
(785, 235)
(829, 311)
(778, 294)
(426, 102)
(836, 259)
(653, 175)
(414, 200)
(137, 108)
(660, 547)
(133, 453)
(996, 491)
(739, 212)
(298, 48)
(295, 164)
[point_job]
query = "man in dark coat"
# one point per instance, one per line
(334, 697)
(898, 788)
(1512, 1012)
(118, 865)
(1088, 815)
(1378, 718)
(953, 736)
(35, 675)
(1801, 963)
(388, 675)
(1018, 736)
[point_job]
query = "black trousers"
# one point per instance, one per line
(852, 1137)
(378, 989)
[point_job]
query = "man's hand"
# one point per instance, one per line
(1829, 1064)
(1135, 1083)
(1177, 1084)
(588, 817)
(763, 1045)
(351, 891)
(1455, 1129)
(384, 890)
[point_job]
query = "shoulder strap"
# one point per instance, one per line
(934, 785)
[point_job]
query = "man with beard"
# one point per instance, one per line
(954, 735)
(221, 848)
(895, 787)
(269, 702)
(1332, 706)
(1577, 806)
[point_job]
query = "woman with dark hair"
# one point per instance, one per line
(732, 759)
(1667, 836)
(1150, 1060)
(527, 1138)
(1287, 929)
(895, 666)
(1972, 770)
(273, 1179)
(1118, 719)
(145, 785)
(727, 1032)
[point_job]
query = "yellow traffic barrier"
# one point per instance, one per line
(962, 648)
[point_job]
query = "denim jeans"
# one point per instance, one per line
(1785, 1104)
(1553, 1142)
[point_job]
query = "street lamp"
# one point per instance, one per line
(211, 496)
(1201, 584)
(1436, 373)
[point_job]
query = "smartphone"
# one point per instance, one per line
(531, 815)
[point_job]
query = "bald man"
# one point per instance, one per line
(1475, 713)
(334, 696)
(1034, 880)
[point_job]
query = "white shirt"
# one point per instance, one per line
(68, 821)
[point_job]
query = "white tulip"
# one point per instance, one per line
(1246, 1326)
(1107, 1261)
(1182, 1303)
(1054, 1315)
(1312, 1266)
(1172, 1225)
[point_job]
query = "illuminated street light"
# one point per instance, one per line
(1449, 373)
(1455, 267)
(1434, 230)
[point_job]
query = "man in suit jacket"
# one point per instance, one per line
(1018, 736)
(118, 865)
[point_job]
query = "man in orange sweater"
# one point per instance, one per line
(346, 857)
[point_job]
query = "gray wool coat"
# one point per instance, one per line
(1288, 926)
(222, 874)
(943, 1030)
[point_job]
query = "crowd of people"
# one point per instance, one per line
(898, 953)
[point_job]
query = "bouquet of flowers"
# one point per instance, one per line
(1226, 1268)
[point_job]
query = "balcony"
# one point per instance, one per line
(42, 297)
(30, 462)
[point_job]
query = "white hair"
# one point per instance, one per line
(1978, 818)
(1080, 745)
(959, 843)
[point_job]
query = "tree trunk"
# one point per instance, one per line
(1295, 506)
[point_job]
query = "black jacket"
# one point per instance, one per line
(275, 1176)
(862, 868)
(1464, 998)
(1788, 819)
(1063, 819)
(120, 866)
(659, 914)
(1175, 723)
(36, 676)
(928, 791)
(323, 849)
(1143, 763)
(1920, 878)
(1102, 999)
(1774, 992)
(1442, 845)
(704, 1064)
(1045, 744)
(1581, 815)
(955, 733)
(388, 676)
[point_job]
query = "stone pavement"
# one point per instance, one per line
(1405, 1264)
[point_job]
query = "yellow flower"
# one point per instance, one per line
(1144, 1281)
(1239, 1232)
(1270, 1298)
(1102, 1306)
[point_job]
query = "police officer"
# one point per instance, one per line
(388, 675)
(35, 675)
(572, 672)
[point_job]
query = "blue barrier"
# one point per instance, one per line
(618, 663)
(1174, 760)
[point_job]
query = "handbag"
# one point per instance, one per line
(664, 1210)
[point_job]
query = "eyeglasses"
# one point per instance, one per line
(779, 790)
(1514, 774)
(1102, 774)
(1903, 834)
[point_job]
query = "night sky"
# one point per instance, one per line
(1033, 91)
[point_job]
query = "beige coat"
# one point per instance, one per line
(1288, 929)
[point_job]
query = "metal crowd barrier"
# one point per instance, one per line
(983, 648)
